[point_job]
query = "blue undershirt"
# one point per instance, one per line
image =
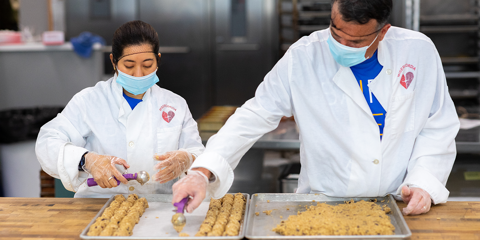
(364, 73)
(132, 101)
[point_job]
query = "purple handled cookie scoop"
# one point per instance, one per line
(141, 177)
(178, 219)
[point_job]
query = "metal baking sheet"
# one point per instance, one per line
(260, 227)
(155, 222)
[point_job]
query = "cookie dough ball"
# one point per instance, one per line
(122, 232)
(119, 198)
(109, 230)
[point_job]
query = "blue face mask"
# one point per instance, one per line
(347, 56)
(137, 85)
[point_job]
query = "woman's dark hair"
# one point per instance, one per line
(361, 11)
(134, 33)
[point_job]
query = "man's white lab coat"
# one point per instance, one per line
(341, 151)
(99, 119)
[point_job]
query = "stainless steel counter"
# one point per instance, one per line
(286, 137)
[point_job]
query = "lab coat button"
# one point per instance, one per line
(376, 161)
(131, 144)
(131, 188)
(389, 71)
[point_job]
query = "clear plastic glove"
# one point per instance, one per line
(194, 185)
(102, 168)
(418, 200)
(172, 165)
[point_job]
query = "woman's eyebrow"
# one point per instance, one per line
(148, 59)
(128, 60)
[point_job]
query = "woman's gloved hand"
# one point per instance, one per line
(172, 165)
(102, 168)
(418, 200)
(194, 185)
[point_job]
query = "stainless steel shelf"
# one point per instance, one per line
(294, 144)
(468, 147)
(287, 26)
(277, 144)
(467, 93)
(449, 29)
(448, 18)
(462, 75)
(301, 13)
(450, 60)
(311, 28)
(312, 14)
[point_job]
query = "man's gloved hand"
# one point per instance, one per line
(418, 201)
(102, 168)
(172, 165)
(194, 185)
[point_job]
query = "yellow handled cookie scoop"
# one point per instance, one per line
(178, 219)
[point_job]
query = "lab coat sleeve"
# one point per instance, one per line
(434, 150)
(256, 117)
(190, 140)
(59, 148)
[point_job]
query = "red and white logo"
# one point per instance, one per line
(168, 112)
(407, 75)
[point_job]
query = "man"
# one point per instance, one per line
(373, 110)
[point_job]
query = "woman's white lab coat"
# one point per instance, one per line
(341, 151)
(99, 119)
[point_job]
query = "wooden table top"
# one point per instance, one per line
(65, 218)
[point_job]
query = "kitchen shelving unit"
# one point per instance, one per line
(453, 25)
(298, 18)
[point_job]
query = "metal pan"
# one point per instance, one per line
(260, 227)
(155, 222)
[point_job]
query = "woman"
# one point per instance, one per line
(125, 123)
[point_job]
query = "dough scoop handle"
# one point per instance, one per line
(129, 176)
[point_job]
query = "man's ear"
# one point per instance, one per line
(384, 31)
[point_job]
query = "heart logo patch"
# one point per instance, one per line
(406, 80)
(168, 116)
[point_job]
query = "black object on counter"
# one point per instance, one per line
(287, 169)
(18, 125)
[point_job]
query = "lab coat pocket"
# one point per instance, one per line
(167, 139)
(402, 113)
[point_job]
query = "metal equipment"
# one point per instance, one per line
(178, 219)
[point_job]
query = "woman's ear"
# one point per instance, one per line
(159, 59)
(113, 64)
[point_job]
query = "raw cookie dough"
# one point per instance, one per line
(120, 217)
(351, 218)
(268, 212)
(223, 216)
